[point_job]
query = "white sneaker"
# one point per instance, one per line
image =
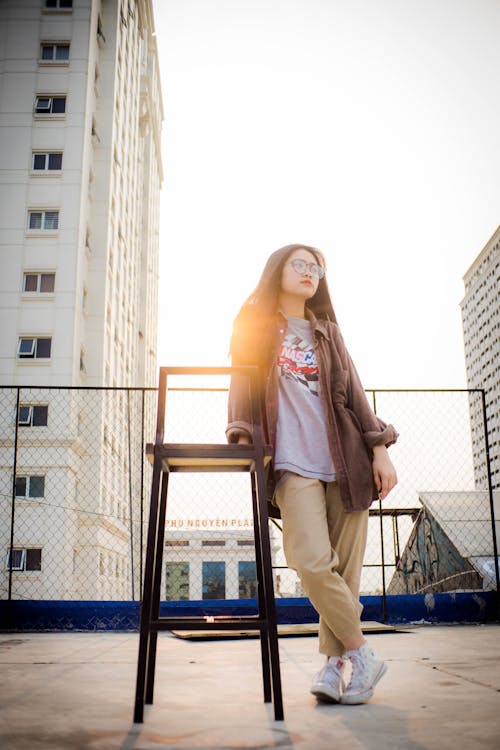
(367, 669)
(328, 683)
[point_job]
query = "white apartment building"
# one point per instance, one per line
(81, 113)
(213, 558)
(481, 327)
(80, 177)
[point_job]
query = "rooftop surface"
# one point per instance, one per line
(75, 691)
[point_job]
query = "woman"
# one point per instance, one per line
(330, 458)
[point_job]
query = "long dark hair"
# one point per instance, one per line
(254, 328)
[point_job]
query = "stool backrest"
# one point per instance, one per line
(250, 371)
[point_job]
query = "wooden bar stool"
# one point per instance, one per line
(187, 457)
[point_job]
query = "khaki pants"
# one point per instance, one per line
(325, 546)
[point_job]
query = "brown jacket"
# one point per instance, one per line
(353, 428)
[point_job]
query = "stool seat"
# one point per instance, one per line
(169, 458)
(205, 457)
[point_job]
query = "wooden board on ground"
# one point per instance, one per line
(297, 629)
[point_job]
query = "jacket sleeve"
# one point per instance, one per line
(373, 429)
(239, 409)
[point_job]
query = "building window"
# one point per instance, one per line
(59, 4)
(34, 348)
(247, 580)
(213, 543)
(33, 415)
(47, 162)
(213, 580)
(30, 487)
(47, 221)
(50, 105)
(24, 559)
(54, 52)
(39, 283)
(177, 581)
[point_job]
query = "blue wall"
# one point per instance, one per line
(18, 615)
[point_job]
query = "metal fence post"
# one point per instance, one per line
(490, 496)
(13, 506)
(131, 510)
(382, 549)
(143, 458)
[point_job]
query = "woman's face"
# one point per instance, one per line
(300, 281)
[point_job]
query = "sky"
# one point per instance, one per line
(367, 128)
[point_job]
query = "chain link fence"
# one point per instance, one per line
(75, 483)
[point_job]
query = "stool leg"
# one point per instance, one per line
(155, 606)
(264, 641)
(145, 620)
(272, 630)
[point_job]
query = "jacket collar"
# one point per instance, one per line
(318, 326)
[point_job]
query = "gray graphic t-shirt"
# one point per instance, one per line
(301, 437)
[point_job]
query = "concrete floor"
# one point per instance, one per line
(75, 691)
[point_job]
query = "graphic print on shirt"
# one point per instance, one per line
(297, 361)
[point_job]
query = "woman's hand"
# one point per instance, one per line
(384, 472)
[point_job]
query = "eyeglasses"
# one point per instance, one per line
(302, 266)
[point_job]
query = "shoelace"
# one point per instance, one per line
(334, 669)
(359, 671)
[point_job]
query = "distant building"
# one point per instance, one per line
(211, 559)
(80, 176)
(481, 327)
(202, 564)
